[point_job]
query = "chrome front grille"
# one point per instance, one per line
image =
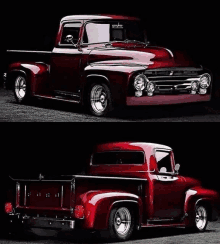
(172, 81)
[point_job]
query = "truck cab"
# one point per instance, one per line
(129, 185)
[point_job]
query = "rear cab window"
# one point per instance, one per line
(118, 157)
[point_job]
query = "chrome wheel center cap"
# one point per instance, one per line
(102, 98)
(118, 221)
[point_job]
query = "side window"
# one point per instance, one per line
(164, 163)
(70, 29)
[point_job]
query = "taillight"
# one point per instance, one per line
(79, 212)
(8, 207)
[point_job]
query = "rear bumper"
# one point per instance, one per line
(167, 99)
(41, 222)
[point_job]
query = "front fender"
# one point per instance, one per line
(98, 205)
(36, 73)
(196, 195)
(116, 75)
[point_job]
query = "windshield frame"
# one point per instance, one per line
(81, 43)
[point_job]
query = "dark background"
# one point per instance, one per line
(188, 26)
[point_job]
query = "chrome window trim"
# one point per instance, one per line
(170, 153)
(29, 51)
(62, 27)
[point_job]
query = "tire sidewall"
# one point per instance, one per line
(113, 233)
(26, 97)
(195, 226)
(109, 106)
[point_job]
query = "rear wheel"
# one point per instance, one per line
(21, 91)
(121, 223)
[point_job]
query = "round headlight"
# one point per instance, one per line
(205, 81)
(140, 82)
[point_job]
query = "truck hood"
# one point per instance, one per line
(128, 54)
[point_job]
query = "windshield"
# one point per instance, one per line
(114, 30)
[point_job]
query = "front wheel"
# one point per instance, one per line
(21, 92)
(121, 223)
(99, 99)
(200, 219)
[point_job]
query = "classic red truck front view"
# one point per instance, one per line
(101, 61)
(130, 186)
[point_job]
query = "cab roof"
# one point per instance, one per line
(101, 16)
(130, 146)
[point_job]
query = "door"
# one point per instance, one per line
(168, 188)
(65, 63)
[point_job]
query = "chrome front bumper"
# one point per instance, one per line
(42, 222)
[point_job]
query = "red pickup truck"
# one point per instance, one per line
(130, 186)
(102, 61)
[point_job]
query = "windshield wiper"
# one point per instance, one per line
(128, 41)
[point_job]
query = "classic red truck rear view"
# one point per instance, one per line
(130, 186)
(101, 61)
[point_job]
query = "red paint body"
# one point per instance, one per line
(67, 71)
(157, 198)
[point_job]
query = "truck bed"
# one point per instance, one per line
(57, 196)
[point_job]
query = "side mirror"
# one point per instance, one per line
(177, 167)
(69, 39)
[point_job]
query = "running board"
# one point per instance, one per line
(163, 225)
(59, 98)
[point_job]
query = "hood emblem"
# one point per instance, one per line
(171, 72)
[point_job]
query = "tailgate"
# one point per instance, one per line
(56, 197)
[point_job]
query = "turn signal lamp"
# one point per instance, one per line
(79, 212)
(8, 207)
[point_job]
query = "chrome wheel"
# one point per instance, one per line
(98, 99)
(122, 221)
(201, 217)
(20, 87)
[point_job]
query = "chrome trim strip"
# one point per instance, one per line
(61, 198)
(108, 177)
(17, 194)
(29, 51)
(25, 195)
(56, 98)
(67, 93)
(97, 75)
(175, 69)
(124, 201)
